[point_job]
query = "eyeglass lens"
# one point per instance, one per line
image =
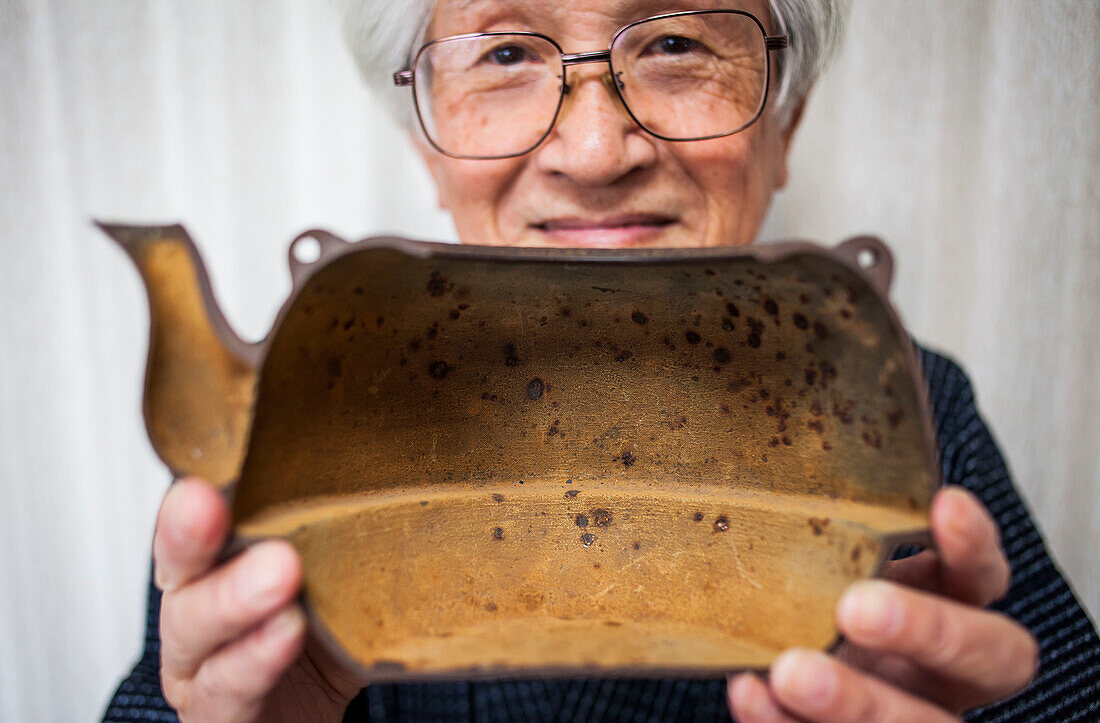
(682, 77)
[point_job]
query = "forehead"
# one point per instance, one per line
(569, 17)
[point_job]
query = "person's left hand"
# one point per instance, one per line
(919, 645)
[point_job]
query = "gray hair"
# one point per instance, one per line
(384, 35)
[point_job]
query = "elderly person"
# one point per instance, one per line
(631, 124)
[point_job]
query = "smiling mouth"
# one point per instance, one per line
(581, 224)
(626, 230)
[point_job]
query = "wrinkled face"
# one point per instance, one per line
(598, 179)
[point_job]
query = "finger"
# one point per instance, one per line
(233, 684)
(920, 571)
(192, 525)
(973, 567)
(978, 648)
(817, 687)
(226, 603)
(750, 701)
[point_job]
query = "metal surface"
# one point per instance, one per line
(501, 462)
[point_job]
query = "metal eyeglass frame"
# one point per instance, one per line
(407, 78)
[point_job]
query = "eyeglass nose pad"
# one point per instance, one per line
(611, 83)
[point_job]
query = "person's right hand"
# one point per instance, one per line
(233, 638)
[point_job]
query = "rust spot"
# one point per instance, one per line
(727, 324)
(692, 337)
(359, 290)
(753, 340)
(491, 606)
(786, 441)
(826, 446)
(532, 600)
(554, 429)
(534, 389)
(818, 524)
(845, 411)
(439, 369)
(732, 309)
(815, 408)
(510, 358)
(771, 307)
(454, 314)
(721, 524)
(773, 442)
(894, 417)
(639, 317)
(856, 552)
(815, 425)
(438, 284)
(581, 520)
(828, 373)
(612, 623)
(722, 355)
(800, 321)
(601, 517)
(820, 330)
(571, 493)
(697, 517)
(873, 438)
(423, 503)
(587, 539)
(624, 355)
(780, 355)
(334, 367)
(637, 545)
(498, 497)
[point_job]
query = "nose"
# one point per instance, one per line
(594, 142)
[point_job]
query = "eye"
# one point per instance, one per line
(674, 45)
(508, 55)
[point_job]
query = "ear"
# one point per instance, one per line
(785, 137)
(432, 159)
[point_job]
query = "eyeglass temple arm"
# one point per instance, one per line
(402, 78)
(777, 42)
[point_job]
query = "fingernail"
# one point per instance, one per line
(960, 517)
(262, 574)
(805, 675)
(286, 624)
(870, 608)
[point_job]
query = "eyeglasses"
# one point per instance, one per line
(683, 76)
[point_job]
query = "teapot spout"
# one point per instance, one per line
(200, 377)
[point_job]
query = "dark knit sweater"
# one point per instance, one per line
(1067, 686)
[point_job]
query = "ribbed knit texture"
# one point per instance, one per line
(1067, 687)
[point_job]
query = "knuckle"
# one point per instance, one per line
(943, 642)
(174, 689)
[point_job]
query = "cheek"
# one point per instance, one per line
(736, 176)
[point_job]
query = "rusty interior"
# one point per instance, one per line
(539, 462)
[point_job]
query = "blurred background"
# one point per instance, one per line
(964, 133)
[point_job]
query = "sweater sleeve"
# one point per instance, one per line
(139, 696)
(1067, 686)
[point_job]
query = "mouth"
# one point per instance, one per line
(616, 231)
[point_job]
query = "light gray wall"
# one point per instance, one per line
(964, 133)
